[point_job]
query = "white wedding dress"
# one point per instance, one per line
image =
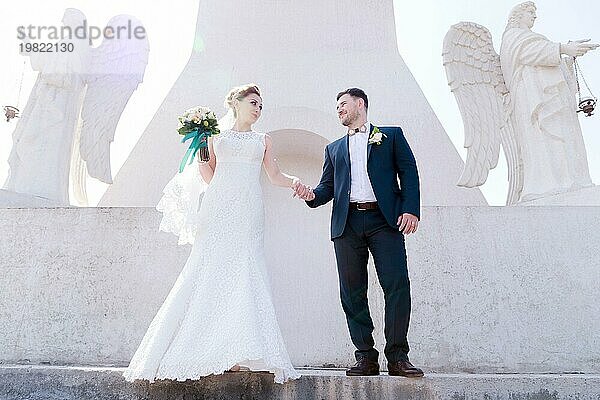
(219, 312)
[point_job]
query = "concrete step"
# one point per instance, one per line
(28, 382)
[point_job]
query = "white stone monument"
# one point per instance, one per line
(69, 122)
(524, 99)
(480, 276)
(301, 54)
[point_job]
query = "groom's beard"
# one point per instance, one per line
(350, 119)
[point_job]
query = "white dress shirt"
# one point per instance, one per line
(360, 186)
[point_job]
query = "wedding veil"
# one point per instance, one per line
(182, 197)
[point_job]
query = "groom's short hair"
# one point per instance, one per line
(355, 92)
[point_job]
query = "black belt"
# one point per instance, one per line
(369, 205)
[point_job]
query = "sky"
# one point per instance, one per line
(420, 26)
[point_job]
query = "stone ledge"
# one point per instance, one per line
(105, 383)
(589, 196)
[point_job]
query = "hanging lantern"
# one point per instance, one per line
(586, 104)
(11, 112)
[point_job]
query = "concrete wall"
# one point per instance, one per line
(494, 289)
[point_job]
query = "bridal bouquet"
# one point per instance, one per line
(197, 124)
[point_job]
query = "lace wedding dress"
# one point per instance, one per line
(219, 312)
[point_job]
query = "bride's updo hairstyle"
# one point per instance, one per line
(239, 93)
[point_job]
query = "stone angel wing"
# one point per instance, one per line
(475, 77)
(116, 69)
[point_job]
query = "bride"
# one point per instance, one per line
(219, 315)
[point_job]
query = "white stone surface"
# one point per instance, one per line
(19, 200)
(494, 289)
(300, 56)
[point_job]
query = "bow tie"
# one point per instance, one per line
(362, 129)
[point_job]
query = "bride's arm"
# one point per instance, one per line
(207, 169)
(276, 177)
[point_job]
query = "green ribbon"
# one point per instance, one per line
(197, 143)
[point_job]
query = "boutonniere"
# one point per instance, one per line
(376, 136)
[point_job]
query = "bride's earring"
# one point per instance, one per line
(236, 108)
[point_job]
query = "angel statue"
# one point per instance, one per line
(523, 99)
(66, 128)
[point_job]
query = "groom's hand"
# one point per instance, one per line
(298, 188)
(407, 223)
(310, 195)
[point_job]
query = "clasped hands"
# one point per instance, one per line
(302, 191)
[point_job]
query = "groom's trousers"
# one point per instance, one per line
(367, 230)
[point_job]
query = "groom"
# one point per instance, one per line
(370, 213)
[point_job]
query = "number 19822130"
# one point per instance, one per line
(46, 47)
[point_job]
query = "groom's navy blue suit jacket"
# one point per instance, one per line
(386, 162)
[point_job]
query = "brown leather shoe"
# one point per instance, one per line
(404, 368)
(363, 367)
